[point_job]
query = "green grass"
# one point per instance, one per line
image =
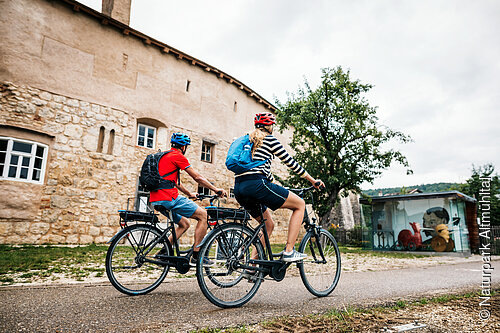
(29, 261)
(25, 263)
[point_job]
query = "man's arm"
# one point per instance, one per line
(204, 182)
(185, 191)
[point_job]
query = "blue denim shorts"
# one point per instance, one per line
(179, 207)
(256, 194)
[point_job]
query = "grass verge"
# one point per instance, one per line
(25, 263)
(358, 319)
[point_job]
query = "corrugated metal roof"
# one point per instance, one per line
(417, 196)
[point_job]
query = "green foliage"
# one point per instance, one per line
(474, 184)
(337, 136)
(426, 188)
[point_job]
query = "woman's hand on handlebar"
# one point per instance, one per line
(318, 184)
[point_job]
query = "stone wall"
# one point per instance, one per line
(83, 189)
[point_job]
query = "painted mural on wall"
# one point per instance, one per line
(435, 229)
(436, 224)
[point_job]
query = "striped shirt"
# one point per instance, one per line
(270, 148)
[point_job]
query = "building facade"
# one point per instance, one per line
(83, 99)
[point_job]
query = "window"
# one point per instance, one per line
(22, 160)
(207, 150)
(187, 85)
(203, 190)
(111, 142)
(100, 142)
(235, 107)
(231, 192)
(146, 136)
(142, 203)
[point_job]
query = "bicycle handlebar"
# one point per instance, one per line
(301, 191)
(202, 196)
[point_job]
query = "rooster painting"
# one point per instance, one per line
(409, 240)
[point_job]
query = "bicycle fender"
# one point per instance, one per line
(203, 241)
(114, 236)
(309, 232)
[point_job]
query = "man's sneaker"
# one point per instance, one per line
(250, 275)
(294, 256)
(206, 262)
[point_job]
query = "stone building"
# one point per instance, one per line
(83, 99)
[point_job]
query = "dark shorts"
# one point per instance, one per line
(257, 193)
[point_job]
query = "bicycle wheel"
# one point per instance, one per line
(224, 283)
(127, 264)
(320, 274)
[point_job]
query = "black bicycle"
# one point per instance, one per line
(140, 254)
(242, 261)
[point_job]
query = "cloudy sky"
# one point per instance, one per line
(434, 64)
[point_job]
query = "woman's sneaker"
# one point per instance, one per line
(206, 262)
(294, 256)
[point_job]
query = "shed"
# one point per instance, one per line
(438, 222)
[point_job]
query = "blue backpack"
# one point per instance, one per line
(239, 157)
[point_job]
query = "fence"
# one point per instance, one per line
(351, 237)
(354, 237)
(495, 240)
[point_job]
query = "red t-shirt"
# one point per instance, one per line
(168, 163)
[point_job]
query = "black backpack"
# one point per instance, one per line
(150, 177)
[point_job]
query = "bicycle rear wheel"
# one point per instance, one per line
(225, 283)
(127, 258)
(320, 273)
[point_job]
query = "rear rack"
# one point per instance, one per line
(223, 213)
(130, 215)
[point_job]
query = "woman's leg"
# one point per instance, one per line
(298, 207)
(269, 227)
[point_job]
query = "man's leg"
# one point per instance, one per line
(200, 215)
(181, 228)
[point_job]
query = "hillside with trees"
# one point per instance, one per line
(426, 188)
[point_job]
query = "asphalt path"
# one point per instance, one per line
(179, 305)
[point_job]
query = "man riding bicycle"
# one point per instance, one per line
(181, 207)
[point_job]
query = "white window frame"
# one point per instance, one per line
(146, 127)
(207, 152)
(231, 193)
(32, 156)
(204, 190)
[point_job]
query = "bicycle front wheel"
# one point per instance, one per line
(222, 280)
(320, 271)
(128, 260)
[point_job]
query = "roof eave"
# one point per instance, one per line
(167, 49)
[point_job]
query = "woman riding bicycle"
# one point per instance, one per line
(255, 191)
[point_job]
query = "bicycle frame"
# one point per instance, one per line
(277, 268)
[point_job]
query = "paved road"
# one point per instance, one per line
(180, 306)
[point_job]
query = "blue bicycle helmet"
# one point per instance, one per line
(180, 139)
